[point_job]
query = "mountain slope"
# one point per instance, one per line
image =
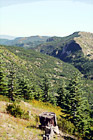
(76, 49)
(85, 40)
(27, 42)
(36, 65)
(3, 41)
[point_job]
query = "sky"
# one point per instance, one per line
(45, 17)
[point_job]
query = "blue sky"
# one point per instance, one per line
(45, 17)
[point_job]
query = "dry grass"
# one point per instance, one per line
(45, 107)
(12, 128)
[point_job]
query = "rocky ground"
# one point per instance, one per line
(12, 128)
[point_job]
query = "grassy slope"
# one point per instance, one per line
(12, 128)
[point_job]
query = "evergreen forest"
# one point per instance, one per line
(29, 75)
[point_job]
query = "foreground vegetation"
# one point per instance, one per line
(18, 128)
(75, 111)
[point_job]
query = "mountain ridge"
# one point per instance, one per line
(31, 41)
(8, 37)
(76, 49)
(81, 38)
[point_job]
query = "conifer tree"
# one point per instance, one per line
(37, 93)
(12, 85)
(52, 99)
(3, 80)
(47, 95)
(62, 96)
(78, 106)
(45, 88)
(24, 89)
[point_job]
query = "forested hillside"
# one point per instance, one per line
(36, 66)
(30, 75)
(76, 49)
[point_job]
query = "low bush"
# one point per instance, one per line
(16, 111)
(66, 126)
(4, 98)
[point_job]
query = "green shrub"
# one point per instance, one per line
(66, 126)
(25, 116)
(37, 119)
(4, 98)
(16, 111)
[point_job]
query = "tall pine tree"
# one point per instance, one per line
(45, 87)
(12, 83)
(62, 96)
(24, 89)
(78, 106)
(3, 79)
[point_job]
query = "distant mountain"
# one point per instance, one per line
(26, 42)
(7, 37)
(3, 41)
(76, 49)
